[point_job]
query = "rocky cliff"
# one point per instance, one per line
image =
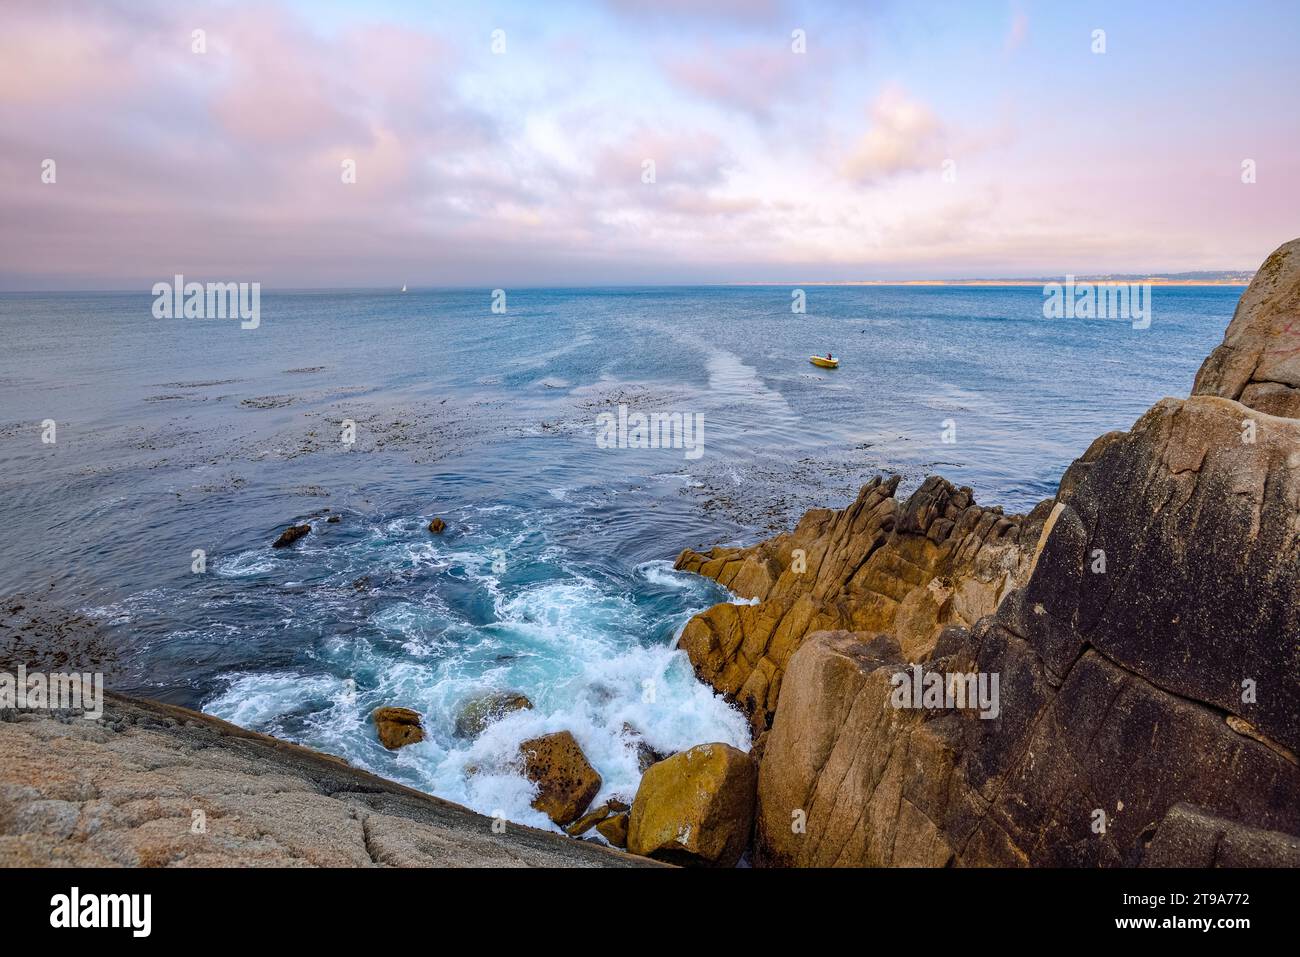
(1143, 625)
(877, 566)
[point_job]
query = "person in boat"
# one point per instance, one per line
(829, 357)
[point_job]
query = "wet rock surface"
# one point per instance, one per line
(566, 781)
(397, 727)
(291, 535)
(477, 713)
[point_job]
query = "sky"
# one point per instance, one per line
(510, 143)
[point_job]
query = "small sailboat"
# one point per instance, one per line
(826, 362)
(403, 287)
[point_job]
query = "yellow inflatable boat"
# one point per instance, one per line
(824, 362)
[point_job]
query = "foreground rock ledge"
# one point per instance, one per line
(131, 790)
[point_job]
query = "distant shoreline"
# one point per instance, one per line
(1235, 283)
(1154, 281)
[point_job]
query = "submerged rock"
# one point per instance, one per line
(645, 754)
(696, 807)
(397, 727)
(291, 535)
(477, 713)
(565, 779)
(437, 526)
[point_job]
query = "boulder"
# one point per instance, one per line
(437, 526)
(589, 820)
(566, 781)
(696, 807)
(397, 727)
(477, 713)
(291, 535)
(614, 829)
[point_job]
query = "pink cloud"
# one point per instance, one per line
(904, 136)
(751, 79)
(56, 55)
(756, 10)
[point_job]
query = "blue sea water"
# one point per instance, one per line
(554, 576)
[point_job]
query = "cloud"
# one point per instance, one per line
(679, 10)
(904, 136)
(752, 79)
(528, 167)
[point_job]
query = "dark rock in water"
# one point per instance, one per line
(565, 779)
(291, 535)
(333, 520)
(645, 754)
(362, 583)
(1141, 626)
(477, 713)
(437, 526)
(397, 727)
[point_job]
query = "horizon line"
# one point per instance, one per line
(1170, 279)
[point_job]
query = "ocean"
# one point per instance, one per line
(182, 447)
